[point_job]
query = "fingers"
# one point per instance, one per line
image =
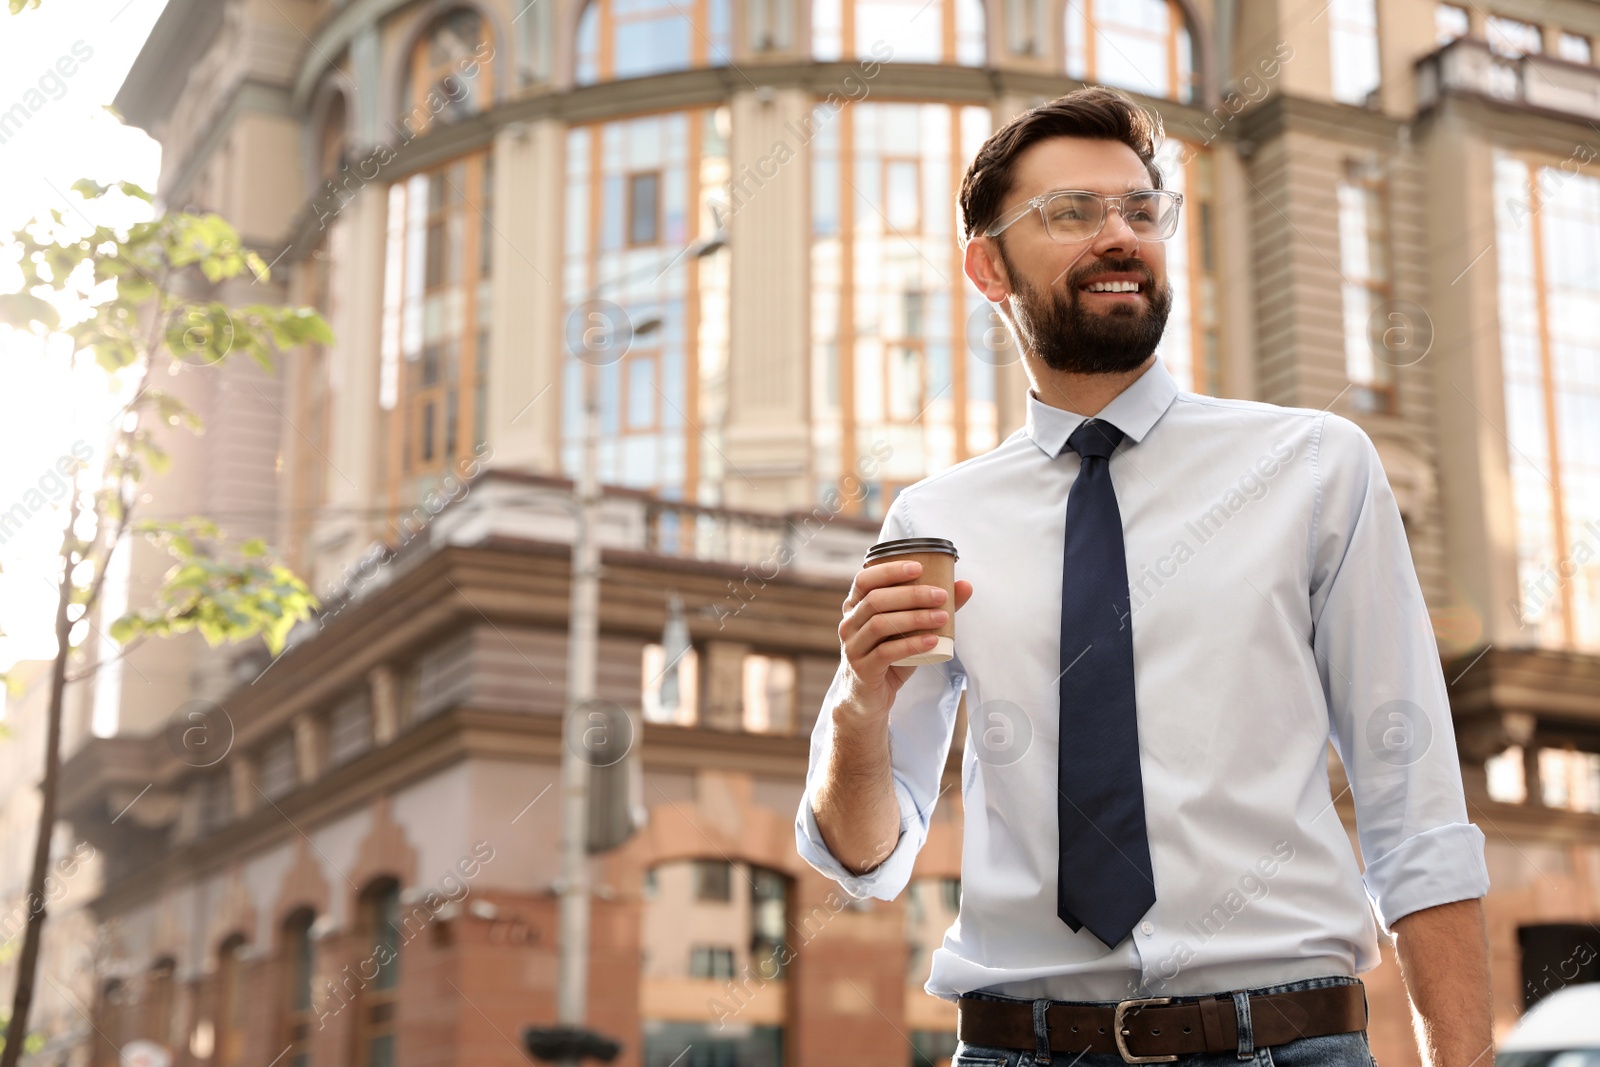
(879, 576)
(963, 592)
(893, 608)
(892, 628)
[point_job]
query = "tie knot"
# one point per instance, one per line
(1096, 438)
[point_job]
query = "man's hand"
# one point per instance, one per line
(1444, 960)
(883, 606)
(855, 805)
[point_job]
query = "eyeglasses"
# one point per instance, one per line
(1077, 214)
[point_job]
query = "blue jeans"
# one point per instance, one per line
(1330, 1050)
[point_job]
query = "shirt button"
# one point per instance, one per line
(1147, 928)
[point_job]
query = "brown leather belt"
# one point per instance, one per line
(1156, 1030)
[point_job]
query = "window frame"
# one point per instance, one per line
(1182, 88)
(1383, 390)
(420, 408)
(298, 959)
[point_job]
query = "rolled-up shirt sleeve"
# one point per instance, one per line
(1388, 704)
(921, 721)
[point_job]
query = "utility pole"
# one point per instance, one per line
(572, 978)
(570, 1042)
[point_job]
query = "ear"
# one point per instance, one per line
(982, 264)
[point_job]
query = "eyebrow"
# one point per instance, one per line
(1131, 187)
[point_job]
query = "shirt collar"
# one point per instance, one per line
(1133, 411)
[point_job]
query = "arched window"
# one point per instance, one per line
(638, 191)
(379, 974)
(297, 962)
(229, 1017)
(631, 38)
(902, 31)
(899, 389)
(434, 348)
(1141, 45)
(157, 1000)
(1189, 346)
(706, 923)
(452, 71)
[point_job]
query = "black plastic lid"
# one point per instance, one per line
(906, 545)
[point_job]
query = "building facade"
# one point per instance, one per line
(735, 222)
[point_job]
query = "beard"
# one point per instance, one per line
(1066, 337)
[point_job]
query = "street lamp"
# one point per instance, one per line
(569, 1042)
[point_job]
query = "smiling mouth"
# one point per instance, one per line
(1126, 288)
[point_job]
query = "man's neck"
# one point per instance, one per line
(1083, 394)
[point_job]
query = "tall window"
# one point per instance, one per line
(452, 71)
(380, 931)
(671, 687)
(1514, 38)
(1142, 45)
(435, 344)
(897, 392)
(230, 1005)
(1364, 262)
(632, 38)
(158, 1001)
(649, 322)
(298, 1018)
(1353, 38)
(904, 31)
(769, 694)
(1574, 48)
(1547, 223)
(693, 943)
(1449, 23)
(1189, 347)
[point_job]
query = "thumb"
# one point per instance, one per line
(963, 592)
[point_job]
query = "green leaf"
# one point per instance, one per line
(24, 311)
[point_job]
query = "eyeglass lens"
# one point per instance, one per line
(1152, 215)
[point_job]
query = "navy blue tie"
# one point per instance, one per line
(1103, 872)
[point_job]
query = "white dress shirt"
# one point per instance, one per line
(1274, 608)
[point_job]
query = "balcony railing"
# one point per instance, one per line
(510, 506)
(1536, 81)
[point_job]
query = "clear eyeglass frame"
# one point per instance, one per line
(1041, 204)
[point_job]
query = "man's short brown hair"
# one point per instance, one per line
(1094, 112)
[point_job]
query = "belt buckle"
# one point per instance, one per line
(1121, 1033)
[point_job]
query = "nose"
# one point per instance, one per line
(1116, 235)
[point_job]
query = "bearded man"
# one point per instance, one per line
(1170, 604)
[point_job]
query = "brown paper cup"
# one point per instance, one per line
(938, 558)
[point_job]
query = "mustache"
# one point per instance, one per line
(1085, 275)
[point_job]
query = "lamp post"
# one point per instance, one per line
(571, 1041)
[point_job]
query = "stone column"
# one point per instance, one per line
(769, 204)
(526, 331)
(354, 444)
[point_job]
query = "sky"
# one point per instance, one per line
(67, 134)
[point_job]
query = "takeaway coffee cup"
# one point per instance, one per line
(938, 558)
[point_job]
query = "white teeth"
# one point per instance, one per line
(1114, 287)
